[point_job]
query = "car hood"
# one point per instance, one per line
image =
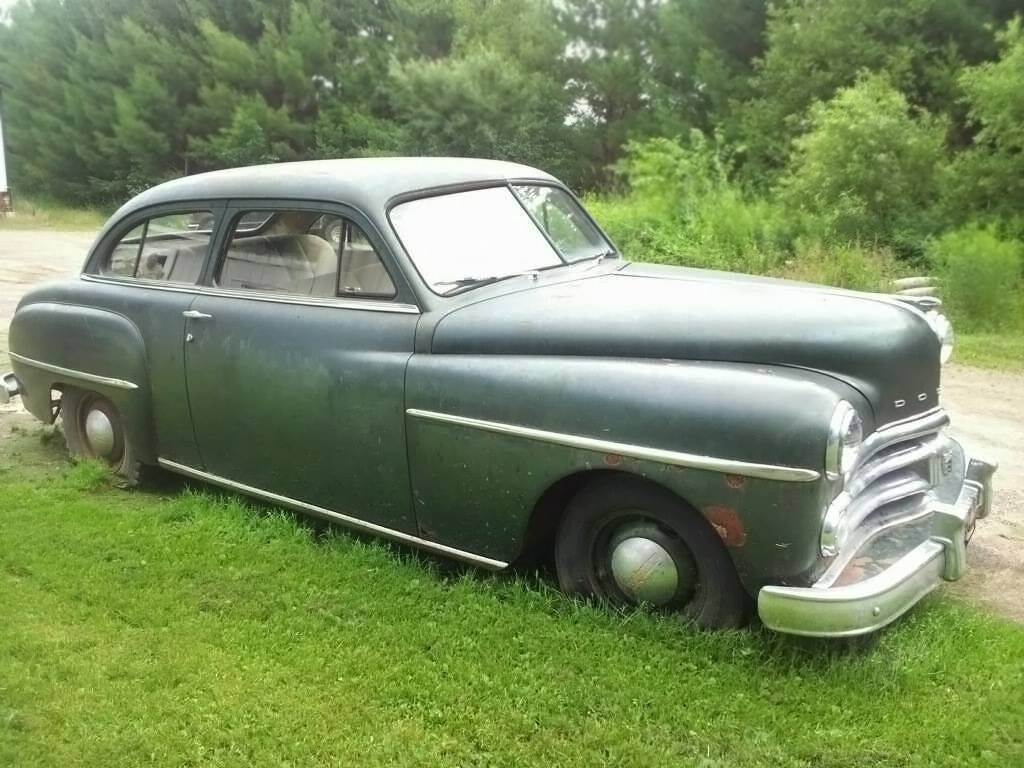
(878, 345)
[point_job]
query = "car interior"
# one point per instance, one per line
(293, 252)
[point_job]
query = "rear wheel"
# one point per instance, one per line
(93, 428)
(632, 543)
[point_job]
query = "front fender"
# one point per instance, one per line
(476, 484)
(54, 345)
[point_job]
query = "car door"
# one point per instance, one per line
(295, 360)
(147, 268)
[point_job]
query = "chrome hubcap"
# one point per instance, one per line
(644, 571)
(100, 433)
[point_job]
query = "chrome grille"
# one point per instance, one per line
(898, 466)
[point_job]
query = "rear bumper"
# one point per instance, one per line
(902, 566)
(9, 387)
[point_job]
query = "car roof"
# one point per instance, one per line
(367, 183)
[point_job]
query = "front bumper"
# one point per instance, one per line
(891, 572)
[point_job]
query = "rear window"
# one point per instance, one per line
(170, 248)
(302, 252)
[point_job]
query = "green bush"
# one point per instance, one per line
(981, 278)
(723, 240)
(642, 232)
(849, 265)
(683, 208)
(867, 167)
(987, 180)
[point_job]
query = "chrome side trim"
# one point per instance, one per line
(370, 305)
(73, 374)
(644, 453)
(327, 514)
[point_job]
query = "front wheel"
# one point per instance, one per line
(632, 543)
(93, 428)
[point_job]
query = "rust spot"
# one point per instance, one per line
(612, 459)
(735, 481)
(727, 523)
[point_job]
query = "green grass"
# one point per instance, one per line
(47, 214)
(1002, 351)
(183, 627)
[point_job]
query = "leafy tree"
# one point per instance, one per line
(816, 47)
(608, 65)
(105, 97)
(988, 179)
(480, 105)
(42, 131)
(261, 95)
(703, 55)
(525, 31)
(869, 164)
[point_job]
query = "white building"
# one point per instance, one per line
(5, 192)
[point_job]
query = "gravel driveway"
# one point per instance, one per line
(29, 258)
(987, 408)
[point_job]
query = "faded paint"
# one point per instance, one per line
(735, 481)
(727, 524)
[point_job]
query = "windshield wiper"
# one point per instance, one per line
(465, 283)
(597, 258)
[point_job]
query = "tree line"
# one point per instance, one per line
(871, 109)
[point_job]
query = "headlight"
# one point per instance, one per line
(944, 330)
(845, 434)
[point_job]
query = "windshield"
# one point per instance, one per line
(464, 239)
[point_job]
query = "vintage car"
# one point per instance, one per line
(452, 354)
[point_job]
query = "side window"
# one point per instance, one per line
(169, 248)
(303, 253)
(362, 271)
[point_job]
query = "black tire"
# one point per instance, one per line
(708, 592)
(75, 408)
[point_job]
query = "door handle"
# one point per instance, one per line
(194, 314)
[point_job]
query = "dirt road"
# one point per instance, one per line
(30, 258)
(987, 409)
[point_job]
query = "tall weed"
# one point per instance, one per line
(849, 265)
(981, 277)
(684, 208)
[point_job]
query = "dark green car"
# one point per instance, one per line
(451, 353)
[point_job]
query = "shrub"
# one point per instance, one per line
(981, 278)
(844, 266)
(642, 232)
(673, 175)
(683, 208)
(867, 166)
(988, 179)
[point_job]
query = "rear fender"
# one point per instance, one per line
(55, 346)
